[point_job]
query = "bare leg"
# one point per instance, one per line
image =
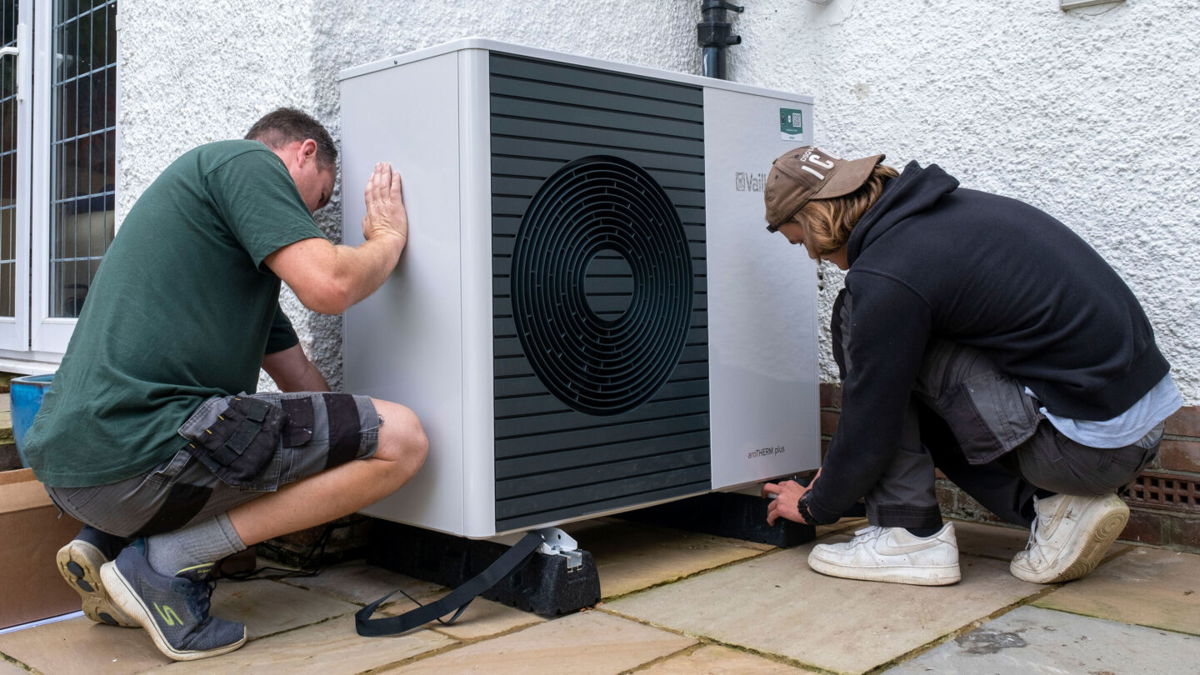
(342, 490)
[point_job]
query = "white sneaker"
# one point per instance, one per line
(891, 554)
(1069, 537)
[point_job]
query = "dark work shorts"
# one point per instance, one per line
(238, 448)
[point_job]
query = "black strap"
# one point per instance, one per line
(458, 599)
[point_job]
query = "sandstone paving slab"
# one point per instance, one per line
(719, 660)
(581, 643)
(1146, 586)
(774, 604)
(268, 607)
(8, 668)
(363, 584)
(990, 541)
(328, 648)
(80, 646)
(1034, 640)
(632, 556)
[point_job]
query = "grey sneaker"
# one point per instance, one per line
(79, 564)
(1069, 537)
(891, 554)
(173, 609)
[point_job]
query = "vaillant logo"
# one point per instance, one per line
(766, 452)
(749, 182)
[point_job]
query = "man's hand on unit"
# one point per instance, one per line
(384, 197)
(785, 499)
(784, 495)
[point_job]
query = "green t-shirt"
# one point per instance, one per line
(181, 309)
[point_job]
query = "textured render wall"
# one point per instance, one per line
(192, 73)
(1091, 115)
(196, 72)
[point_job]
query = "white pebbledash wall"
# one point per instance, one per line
(1091, 115)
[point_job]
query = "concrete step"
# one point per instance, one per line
(6, 432)
(8, 448)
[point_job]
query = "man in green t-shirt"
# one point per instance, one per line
(148, 431)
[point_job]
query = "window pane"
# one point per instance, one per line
(8, 291)
(8, 239)
(83, 155)
(8, 21)
(8, 158)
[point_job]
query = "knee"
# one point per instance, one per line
(402, 439)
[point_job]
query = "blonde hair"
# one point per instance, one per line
(830, 221)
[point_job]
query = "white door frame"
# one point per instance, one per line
(33, 340)
(14, 331)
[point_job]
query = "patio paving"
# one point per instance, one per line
(1033, 640)
(681, 602)
(1146, 586)
(775, 605)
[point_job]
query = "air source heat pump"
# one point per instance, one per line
(590, 315)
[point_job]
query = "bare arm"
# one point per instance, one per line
(292, 371)
(327, 277)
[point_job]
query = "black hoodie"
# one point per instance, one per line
(932, 260)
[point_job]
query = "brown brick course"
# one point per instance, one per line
(1175, 455)
(829, 422)
(831, 395)
(1185, 422)
(1185, 532)
(1144, 527)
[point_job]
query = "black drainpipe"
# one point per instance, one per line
(713, 34)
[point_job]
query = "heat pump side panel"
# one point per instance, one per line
(475, 174)
(762, 297)
(404, 343)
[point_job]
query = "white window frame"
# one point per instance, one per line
(34, 341)
(14, 331)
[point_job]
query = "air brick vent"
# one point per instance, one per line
(1165, 491)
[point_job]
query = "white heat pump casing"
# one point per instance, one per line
(425, 338)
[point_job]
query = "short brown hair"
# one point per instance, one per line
(286, 125)
(830, 221)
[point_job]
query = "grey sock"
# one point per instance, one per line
(193, 549)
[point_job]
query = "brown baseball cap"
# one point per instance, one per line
(806, 173)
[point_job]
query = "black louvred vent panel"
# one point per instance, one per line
(599, 290)
(601, 285)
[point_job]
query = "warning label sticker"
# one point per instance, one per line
(791, 124)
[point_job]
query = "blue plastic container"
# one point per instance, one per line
(26, 394)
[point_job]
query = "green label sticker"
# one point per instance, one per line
(791, 124)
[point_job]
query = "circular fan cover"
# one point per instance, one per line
(601, 233)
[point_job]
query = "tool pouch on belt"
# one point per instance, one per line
(239, 442)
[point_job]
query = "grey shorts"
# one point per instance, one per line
(238, 448)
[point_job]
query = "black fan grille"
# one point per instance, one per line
(602, 285)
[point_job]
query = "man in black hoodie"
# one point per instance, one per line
(979, 335)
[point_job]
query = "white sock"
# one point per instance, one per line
(193, 550)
